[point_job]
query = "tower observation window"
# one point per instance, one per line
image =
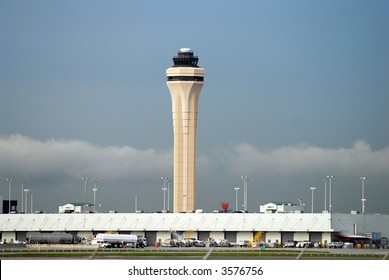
(185, 58)
(190, 62)
(185, 78)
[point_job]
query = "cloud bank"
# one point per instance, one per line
(288, 170)
(22, 155)
(304, 158)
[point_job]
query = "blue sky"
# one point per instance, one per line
(294, 91)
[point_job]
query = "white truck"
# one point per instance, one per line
(110, 240)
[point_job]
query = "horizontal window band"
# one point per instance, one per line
(185, 78)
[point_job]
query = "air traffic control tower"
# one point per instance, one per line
(185, 80)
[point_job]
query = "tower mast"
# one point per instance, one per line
(185, 80)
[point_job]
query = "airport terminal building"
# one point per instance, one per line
(156, 227)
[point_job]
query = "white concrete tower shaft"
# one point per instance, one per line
(185, 81)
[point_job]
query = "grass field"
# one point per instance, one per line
(157, 253)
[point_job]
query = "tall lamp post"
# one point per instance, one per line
(165, 180)
(363, 199)
(32, 201)
(9, 194)
(22, 183)
(236, 198)
(25, 208)
(164, 189)
(245, 180)
(329, 177)
(312, 189)
(325, 194)
(94, 195)
(168, 194)
(85, 179)
(136, 202)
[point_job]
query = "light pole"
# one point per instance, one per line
(245, 180)
(94, 196)
(9, 194)
(325, 194)
(164, 199)
(363, 199)
(329, 177)
(136, 202)
(312, 189)
(32, 201)
(236, 198)
(85, 179)
(165, 180)
(25, 208)
(22, 183)
(168, 194)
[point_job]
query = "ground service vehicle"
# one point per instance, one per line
(290, 244)
(243, 243)
(219, 243)
(303, 244)
(384, 244)
(107, 240)
(335, 244)
(52, 238)
(102, 244)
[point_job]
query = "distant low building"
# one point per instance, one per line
(75, 208)
(7, 209)
(280, 207)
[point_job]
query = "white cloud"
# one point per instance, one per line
(304, 158)
(75, 158)
(284, 172)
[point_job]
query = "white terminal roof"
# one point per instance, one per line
(320, 222)
(239, 222)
